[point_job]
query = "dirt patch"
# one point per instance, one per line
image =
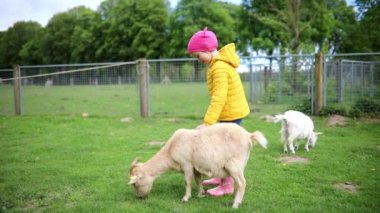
(347, 186)
(336, 120)
(370, 120)
(127, 120)
(292, 159)
(156, 143)
(173, 120)
(267, 118)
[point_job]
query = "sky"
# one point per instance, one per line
(41, 11)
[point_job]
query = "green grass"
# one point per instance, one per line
(66, 163)
(185, 99)
(54, 160)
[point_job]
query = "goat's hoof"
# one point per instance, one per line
(185, 200)
(235, 205)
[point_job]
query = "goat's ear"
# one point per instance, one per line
(318, 133)
(134, 162)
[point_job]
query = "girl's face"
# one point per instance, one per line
(203, 57)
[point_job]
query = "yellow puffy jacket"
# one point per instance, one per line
(228, 101)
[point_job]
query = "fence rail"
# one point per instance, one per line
(276, 81)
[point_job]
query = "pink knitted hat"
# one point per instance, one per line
(202, 41)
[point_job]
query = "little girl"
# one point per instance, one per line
(228, 102)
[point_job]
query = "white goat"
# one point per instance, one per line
(219, 150)
(295, 126)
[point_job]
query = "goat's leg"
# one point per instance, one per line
(241, 183)
(236, 170)
(285, 146)
(307, 142)
(198, 180)
(290, 142)
(284, 140)
(188, 177)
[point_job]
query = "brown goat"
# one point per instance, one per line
(220, 150)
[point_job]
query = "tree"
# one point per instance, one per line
(3, 63)
(364, 35)
(84, 36)
(277, 24)
(56, 44)
(369, 23)
(133, 29)
(15, 38)
(191, 16)
(345, 23)
(71, 36)
(260, 29)
(233, 10)
(31, 52)
(330, 23)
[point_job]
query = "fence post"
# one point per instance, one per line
(318, 82)
(17, 88)
(144, 87)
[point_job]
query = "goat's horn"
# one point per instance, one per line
(132, 179)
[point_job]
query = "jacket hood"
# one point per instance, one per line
(228, 55)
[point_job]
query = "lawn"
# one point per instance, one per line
(54, 160)
(68, 163)
(177, 99)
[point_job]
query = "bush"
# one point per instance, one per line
(304, 107)
(333, 110)
(365, 107)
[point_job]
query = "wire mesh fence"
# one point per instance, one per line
(177, 87)
(351, 78)
(6, 92)
(280, 79)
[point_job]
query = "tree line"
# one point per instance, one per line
(126, 30)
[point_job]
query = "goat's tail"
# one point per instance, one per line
(257, 136)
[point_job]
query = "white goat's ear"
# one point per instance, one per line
(132, 179)
(318, 133)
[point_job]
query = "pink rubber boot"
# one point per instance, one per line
(212, 181)
(226, 188)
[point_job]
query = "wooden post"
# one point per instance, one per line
(144, 87)
(17, 89)
(318, 83)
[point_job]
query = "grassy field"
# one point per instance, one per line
(59, 161)
(177, 99)
(113, 100)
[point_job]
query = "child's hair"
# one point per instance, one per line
(202, 41)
